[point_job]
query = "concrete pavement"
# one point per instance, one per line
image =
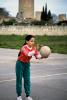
(48, 76)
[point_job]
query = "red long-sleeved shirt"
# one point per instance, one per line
(24, 53)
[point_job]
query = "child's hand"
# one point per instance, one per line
(31, 53)
(42, 57)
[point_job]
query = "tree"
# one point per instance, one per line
(45, 13)
(50, 19)
(42, 15)
(49, 15)
(3, 12)
(46, 17)
(10, 22)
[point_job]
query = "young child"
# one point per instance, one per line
(23, 66)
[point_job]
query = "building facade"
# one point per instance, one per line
(62, 17)
(26, 9)
(38, 15)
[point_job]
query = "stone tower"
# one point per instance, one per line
(26, 9)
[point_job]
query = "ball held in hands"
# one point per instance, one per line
(45, 51)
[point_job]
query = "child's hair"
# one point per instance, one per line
(27, 38)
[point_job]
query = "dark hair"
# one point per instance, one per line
(27, 38)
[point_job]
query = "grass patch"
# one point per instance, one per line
(58, 44)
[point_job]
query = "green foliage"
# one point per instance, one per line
(45, 13)
(58, 44)
(42, 15)
(10, 22)
(49, 14)
(46, 16)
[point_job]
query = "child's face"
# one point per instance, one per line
(31, 42)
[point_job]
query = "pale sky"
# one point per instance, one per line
(56, 6)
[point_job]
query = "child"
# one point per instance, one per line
(23, 66)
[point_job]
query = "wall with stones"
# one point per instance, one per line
(34, 30)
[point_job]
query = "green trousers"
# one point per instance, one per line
(22, 70)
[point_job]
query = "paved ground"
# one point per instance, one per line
(48, 77)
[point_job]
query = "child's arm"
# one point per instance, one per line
(31, 53)
(37, 54)
(26, 52)
(34, 52)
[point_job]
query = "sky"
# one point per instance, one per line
(56, 6)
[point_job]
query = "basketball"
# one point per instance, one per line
(45, 51)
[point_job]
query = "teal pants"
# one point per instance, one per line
(22, 70)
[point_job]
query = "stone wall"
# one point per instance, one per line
(34, 30)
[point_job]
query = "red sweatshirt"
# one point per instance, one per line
(25, 56)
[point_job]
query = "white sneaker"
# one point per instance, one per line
(29, 98)
(19, 98)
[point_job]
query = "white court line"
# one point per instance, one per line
(34, 77)
(7, 74)
(4, 75)
(7, 80)
(46, 76)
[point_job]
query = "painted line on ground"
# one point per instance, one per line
(4, 75)
(46, 76)
(34, 77)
